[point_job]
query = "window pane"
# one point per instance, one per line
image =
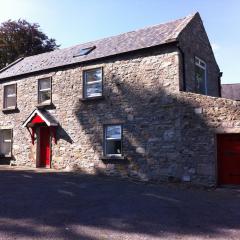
(10, 102)
(114, 132)
(93, 75)
(113, 147)
(10, 96)
(45, 97)
(44, 84)
(10, 90)
(84, 51)
(44, 94)
(93, 82)
(7, 133)
(5, 143)
(203, 64)
(200, 79)
(94, 89)
(6, 149)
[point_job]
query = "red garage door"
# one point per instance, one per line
(228, 158)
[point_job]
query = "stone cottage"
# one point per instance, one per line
(144, 104)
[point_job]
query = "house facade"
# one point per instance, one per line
(144, 104)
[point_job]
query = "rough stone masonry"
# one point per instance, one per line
(168, 134)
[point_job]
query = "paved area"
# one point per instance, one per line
(54, 205)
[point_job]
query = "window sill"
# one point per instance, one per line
(47, 105)
(5, 160)
(115, 159)
(5, 156)
(10, 109)
(92, 99)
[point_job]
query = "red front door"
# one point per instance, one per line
(229, 158)
(44, 148)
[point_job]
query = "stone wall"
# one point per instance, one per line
(202, 118)
(131, 85)
(167, 135)
(195, 43)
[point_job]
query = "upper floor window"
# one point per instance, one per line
(10, 96)
(5, 142)
(92, 83)
(44, 91)
(200, 76)
(113, 140)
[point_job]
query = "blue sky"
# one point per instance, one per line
(75, 21)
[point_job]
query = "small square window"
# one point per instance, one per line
(10, 96)
(5, 142)
(200, 76)
(44, 91)
(113, 140)
(92, 86)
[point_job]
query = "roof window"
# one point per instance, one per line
(84, 51)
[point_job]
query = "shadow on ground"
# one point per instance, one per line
(57, 205)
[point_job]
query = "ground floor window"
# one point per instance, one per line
(5, 142)
(113, 140)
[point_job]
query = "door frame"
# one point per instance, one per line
(38, 148)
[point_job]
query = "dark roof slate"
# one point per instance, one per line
(231, 91)
(126, 42)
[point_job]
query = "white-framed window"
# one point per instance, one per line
(44, 91)
(113, 140)
(92, 82)
(6, 142)
(10, 96)
(200, 76)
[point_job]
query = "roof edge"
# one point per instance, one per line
(172, 37)
(11, 64)
(187, 20)
(169, 42)
(37, 111)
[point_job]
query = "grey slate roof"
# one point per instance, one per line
(231, 91)
(126, 42)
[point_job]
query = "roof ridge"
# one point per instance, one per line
(123, 33)
(138, 39)
(136, 30)
(184, 23)
(113, 36)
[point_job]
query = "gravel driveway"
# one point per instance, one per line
(54, 205)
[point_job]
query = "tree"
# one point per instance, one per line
(21, 39)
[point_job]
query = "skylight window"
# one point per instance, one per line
(84, 51)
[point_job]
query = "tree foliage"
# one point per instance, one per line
(20, 39)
